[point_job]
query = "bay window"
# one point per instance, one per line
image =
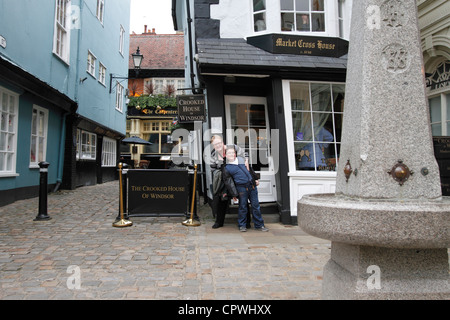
(317, 114)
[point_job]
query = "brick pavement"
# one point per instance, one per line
(156, 258)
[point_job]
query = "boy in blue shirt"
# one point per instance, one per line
(241, 182)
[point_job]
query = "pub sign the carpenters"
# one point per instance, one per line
(191, 108)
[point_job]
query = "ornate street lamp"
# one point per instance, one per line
(137, 61)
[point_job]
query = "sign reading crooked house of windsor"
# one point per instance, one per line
(191, 108)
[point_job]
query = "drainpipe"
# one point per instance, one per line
(62, 143)
(191, 57)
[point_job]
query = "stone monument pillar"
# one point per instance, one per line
(388, 222)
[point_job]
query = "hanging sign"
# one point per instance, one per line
(300, 45)
(191, 108)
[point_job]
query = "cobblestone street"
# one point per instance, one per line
(79, 255)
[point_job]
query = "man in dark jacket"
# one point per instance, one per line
(241, 182)
(219, 204)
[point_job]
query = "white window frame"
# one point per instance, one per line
(91, 61)
(100, 13)
(61, 37)
(109, 152)
(10, 115)
(258, 12)
(310, 12)
(293, 171)
(34, 163)
(122, 40)
(86, 151)
(119, 96)
(102, 73)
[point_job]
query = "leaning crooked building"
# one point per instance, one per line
(278, 67)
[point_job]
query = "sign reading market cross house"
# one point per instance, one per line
(191, 108)
(300, 45)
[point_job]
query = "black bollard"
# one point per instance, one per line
(43, 190)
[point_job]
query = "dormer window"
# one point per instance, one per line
(302, 15)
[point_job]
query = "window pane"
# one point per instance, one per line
(259, 5)
(287, 21)
(4, 120)
(338, 119)
(448, 107)
(338, 97)
(302, 126)
(303, 22)
(287, 4)
(238, 115)
(317, 5)
(321, 97)
(11, 104)
(301, 5)
(9, 162)
(11, 123)
(33, 149)
(257, 115)
(435, 109)
(436, 129)
(318, 22)
(41, 149)
(260, 21)
(2, 141)
(5, 102)
(300, 96)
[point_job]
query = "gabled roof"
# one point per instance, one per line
(161, 51)
(238, 53)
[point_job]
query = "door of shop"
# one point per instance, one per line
(248, 126)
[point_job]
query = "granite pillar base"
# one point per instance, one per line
(365, 272)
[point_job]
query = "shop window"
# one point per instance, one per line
(317, 114)
(9, 105)
(302, 15)
(259, 15)
(39, 125)
(158, 133)
(109, 152)
(86, 145)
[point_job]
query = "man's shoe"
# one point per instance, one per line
(263, 229)
(242, 229)
(215, 226)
